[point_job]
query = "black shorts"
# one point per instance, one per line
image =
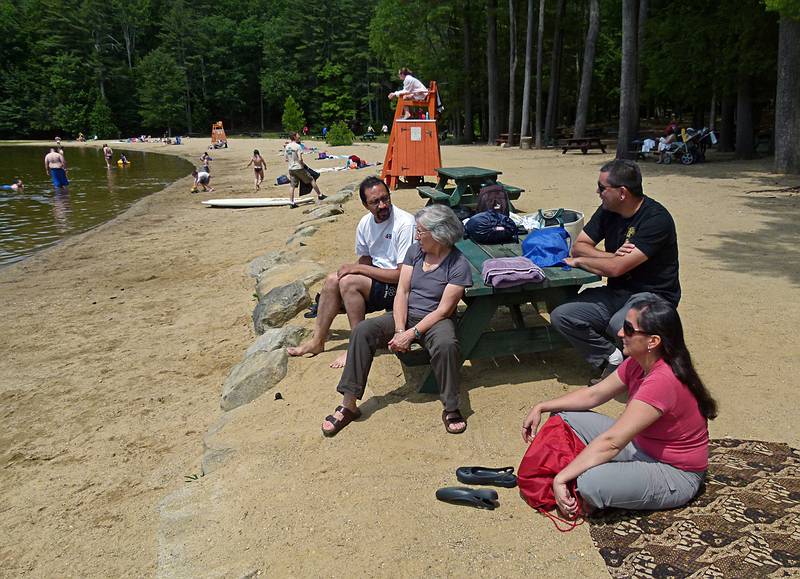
(381, 296)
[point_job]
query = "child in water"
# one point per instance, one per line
(16, 186)
(123, 159)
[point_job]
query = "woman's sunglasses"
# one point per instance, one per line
(629, 330)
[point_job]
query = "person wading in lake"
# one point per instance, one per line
(108, 154)
(56, 167)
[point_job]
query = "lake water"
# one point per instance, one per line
(40, 216)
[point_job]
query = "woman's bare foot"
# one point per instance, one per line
(306, 348)
(340, 361)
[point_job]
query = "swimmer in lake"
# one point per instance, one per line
(108, 154)
(16, 186)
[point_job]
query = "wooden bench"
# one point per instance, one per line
(283, 135)
(466, 199)
(368, 137)
(582, 144)
(479, 336)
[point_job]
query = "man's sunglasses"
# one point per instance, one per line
(629, 330)
(601, 187)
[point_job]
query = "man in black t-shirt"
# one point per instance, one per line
(640, 260)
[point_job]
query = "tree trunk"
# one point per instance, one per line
(512, 70)
(539, 66)
(712, 113)
(745, 144)
(642, 19)
(627, 84)
(727, 129)
(787, 98)
(491, 69)
(525, 127)
(555, 74)
(469, 132)
(582, 113)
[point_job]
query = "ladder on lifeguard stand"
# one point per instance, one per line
(413, 150)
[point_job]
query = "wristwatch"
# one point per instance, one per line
(417, 335)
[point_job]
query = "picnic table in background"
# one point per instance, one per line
(583, 144)
(468, 182)
(479, 337)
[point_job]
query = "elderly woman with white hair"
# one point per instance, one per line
(432, 282)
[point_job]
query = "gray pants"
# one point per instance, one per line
(590, 322)
(633, 479)
(440, 342)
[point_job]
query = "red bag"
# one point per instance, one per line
(552, 449)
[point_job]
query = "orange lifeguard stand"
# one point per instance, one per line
(218, 133)
(413, 149)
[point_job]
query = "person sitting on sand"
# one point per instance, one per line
(201, 178)
(655, 455)
(16, 186)
(412, 88)
(259, 165)
(433, 278)
(383, 237)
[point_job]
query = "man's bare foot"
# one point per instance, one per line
(340, 361)
(305, 348)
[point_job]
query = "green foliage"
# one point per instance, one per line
(340, 134)
(293, 118)
(101, 122)
(161, 91)
(788, 8)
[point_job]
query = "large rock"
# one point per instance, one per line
(277, 339)
(316, 223)
(341, 196)
(324, 211)
(260, 264)
(252, 377)
(302, 233)
(280, 305)
(307, 271)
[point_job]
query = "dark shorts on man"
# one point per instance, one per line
(381, 296)
(203, 180)
(59, 177)
(298, 176)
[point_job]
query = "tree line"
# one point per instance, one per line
(538, 68)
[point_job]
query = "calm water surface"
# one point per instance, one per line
(40, 216)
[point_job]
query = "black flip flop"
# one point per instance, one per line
(483, 475)
(478, 498)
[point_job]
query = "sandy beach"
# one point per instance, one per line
(117, 342)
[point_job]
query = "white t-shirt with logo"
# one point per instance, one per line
(292, 154)
(387, 242)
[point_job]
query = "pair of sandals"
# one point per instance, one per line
(449, 418)
(478, 475)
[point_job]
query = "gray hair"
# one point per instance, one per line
(442, 222)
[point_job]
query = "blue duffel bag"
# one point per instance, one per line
(547, 247)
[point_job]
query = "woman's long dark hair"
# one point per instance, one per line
(658, 317)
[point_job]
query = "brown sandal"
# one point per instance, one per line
(347, 417)
(453, 417)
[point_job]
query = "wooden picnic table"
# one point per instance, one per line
(468, 182)
(584, 144)
(476, 336)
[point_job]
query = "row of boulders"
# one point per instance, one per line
(283, 280)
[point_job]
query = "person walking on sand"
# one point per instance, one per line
(259, 166)
(56, 167)
(108, 154)
(205, 159)
(293, 153)
(383, 238)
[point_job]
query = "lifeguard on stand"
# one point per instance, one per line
(413, 151)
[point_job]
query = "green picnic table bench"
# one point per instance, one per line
(475, 335)
(468, 183)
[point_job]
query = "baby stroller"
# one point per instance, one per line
(690, 147)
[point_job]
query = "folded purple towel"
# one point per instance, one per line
(510, 271)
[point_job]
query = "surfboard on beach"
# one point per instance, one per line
(256, 202)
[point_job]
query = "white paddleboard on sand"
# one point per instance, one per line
(257, 202)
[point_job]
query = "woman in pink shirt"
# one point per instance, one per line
(655, 455)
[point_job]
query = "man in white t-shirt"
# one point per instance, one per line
(293, 153)
(383, 237)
